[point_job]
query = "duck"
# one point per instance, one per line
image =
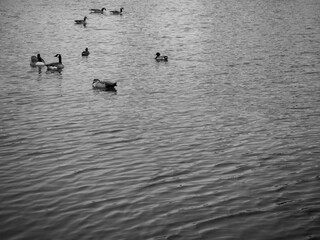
(37, 61)
(104, 85)
(161, 58)
(94, 10)
(85, 52)
(115, 12)
(56, 65)
(81, 21)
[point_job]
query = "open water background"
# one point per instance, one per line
(221, 142)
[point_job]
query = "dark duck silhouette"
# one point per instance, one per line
(84, 21)
(95, 10)
(161, 58)
(115, 12)
(56, 65)
(85, 53)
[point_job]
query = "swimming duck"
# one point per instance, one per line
(104, 85)
(85, 52)
(37, 61)
(56, 65)
(161, 58)
(81, 21)
(94, 10)
(115, 12)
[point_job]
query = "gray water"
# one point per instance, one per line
(220, 142)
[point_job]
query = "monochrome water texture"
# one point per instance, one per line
(220, 142)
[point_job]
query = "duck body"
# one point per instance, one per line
(94, 10)
(115, 12)
(40, 64)
(37, 61)
(104, 85)
(56, 65)
(84, 21)
(161, 58)
(85, 53)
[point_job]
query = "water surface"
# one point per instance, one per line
(221, 142)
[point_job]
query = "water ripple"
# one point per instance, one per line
(221, 142)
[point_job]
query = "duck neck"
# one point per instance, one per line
(60, 60)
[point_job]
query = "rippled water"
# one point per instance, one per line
(221, 142)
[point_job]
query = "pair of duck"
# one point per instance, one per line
(37, 61)
(84, 20)
(115, 12)
(110, 86)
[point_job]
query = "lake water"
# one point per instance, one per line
(220, 142)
